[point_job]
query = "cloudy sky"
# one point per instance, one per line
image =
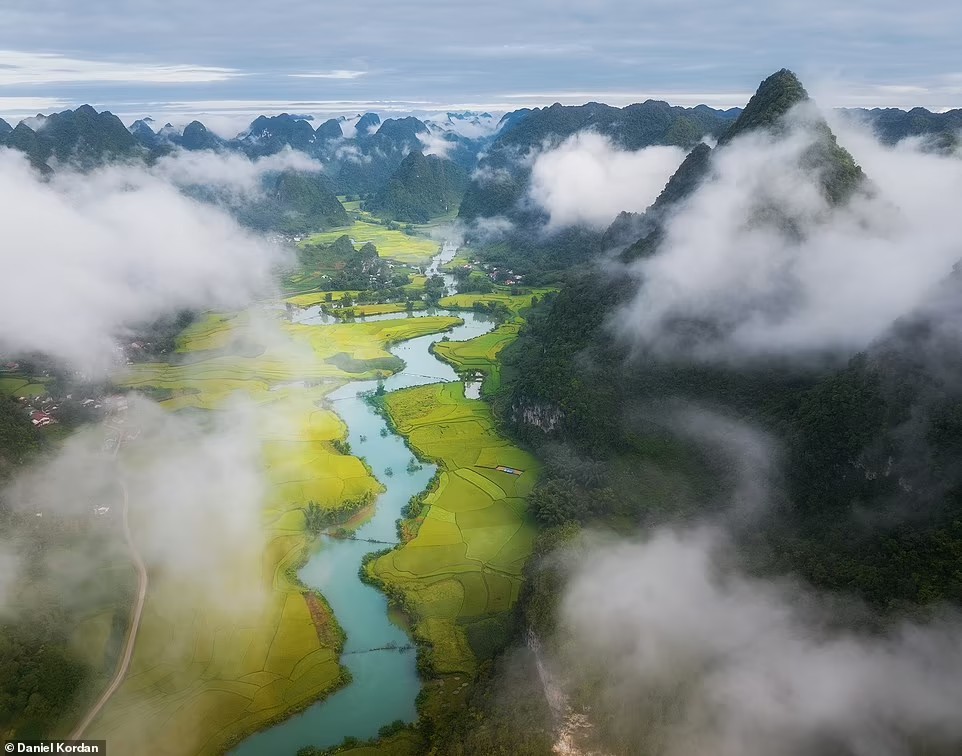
(180, 56)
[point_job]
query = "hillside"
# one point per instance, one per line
(294, 203)
(837, 422)
(81, 137)
(629, 128)
(423, 187)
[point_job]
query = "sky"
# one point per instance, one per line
(168, 58)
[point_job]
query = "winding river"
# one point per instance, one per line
(385, 682)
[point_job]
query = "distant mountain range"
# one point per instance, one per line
(364, 155)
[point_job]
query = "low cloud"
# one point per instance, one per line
(351, 153)
(761, 264)
(689, 655)
(229, 171)
(195, 488)
(86, 255)
(587, 180)
(434, 143)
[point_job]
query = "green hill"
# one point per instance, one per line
(423, 187)
(295, 203)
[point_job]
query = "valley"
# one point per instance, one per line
(580, 429)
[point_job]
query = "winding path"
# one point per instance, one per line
(121, 672)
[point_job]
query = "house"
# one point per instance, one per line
(41, 419)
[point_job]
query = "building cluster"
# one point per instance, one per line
(502, 276)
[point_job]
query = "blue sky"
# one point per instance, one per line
(171, 58)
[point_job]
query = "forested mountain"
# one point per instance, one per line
(878, 435)
(5, 128)
(269, 134)
(500, 186)
(81, 137)
(376, 157)
(294, 202)
(197, 136)
(869, 499)
(503, 178)
(423, 187)
(893, 125)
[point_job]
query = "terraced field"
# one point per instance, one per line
(461, 571)
(394, 245)
(205, 671)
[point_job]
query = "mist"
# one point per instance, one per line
(195, 486)
(588, 180)
(817, 278)
(232, 172)
(86, 255)
(671, 647)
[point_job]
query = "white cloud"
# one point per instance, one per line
(433, 143)
(85, 255)
(820, 278)
(689, 655)
(335, 74)
(229, 171)
(21, 67)
(14, 108)
(587, 180)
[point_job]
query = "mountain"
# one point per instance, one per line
(510, 120)
(877, 439)
(892, 125)
(838, 174)
(775, 96)
(329, 131)
(294, 202)
(370, 163)
(82, 137)
(503, 177)
(144, 133)
(269, 134)
(367, 124)
(423, 187)
(5, 128)
(197, 136)
(25, 139)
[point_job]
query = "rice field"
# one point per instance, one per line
(205, 672)
(514, 302)
(463, 566)
(391, 245)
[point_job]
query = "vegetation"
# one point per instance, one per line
(295, 203)
(459, 573)
(422, 188)
(393, 244)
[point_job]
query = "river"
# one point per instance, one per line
(385, 682)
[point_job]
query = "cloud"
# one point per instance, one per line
(468, 125)
(587, 180)
(229, 171)
(351, 153)
(435, 144)
(195, 488)
(86, 255)
(25, 67)
(689, 655)
(335, 74)
(490, 229)
(766, 266)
